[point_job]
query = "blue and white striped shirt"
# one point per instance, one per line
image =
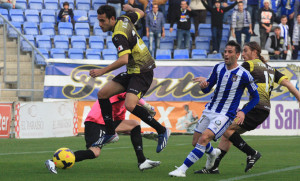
(230, 85)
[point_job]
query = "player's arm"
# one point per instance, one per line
(286, 83)
(207, 85)
(128, 8)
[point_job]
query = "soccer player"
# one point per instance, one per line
(133, 53)
(230, 80)
(265, 76)
(95, 129)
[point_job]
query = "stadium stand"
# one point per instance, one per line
(4, 13)
(25, 46)
(215, 56)
(78, 42)
(31, 28)
(202, 43)
(82, 29)
(47, 29)
(11, 32)
(97, 3)
(38, 59)
(32, 15)
(16, 15)
(109, 43)
(80, 16)
(96, 42)
(57, 53)
(93, 54)
(75, 53)
(83, 5)
(35, 4)
(48, 15)
(167, 43)
(92, 15)
(199, 54)
(22, 3)
(65, 28)
(181, 54)
(98, 31)
(110, 54)
(51, 4)
(163, 54)
(204, 30)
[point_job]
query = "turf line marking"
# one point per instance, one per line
(263, 173)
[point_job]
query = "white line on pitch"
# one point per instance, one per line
(263, 173)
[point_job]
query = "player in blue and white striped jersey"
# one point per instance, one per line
(230, 80)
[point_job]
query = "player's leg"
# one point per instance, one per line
(137, 87)
(134, 128)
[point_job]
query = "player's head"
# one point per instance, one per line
(252, 51)
(241, 6)
(217, 4)
(106, 17)
(277, 31)
(266, 4)
(155, 8)
(183, 5)
(231, 53)
(283, 19)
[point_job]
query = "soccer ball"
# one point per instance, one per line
(64, 158)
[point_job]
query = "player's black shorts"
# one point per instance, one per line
(254, 118)
(137, 84)
(94, 131)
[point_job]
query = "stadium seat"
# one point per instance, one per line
(11, 32)
(93, 54)
(16, 15)
(146, 41)
(51, 4)
(22, 3)
(4, 13)
(93, 17)
(167, 43)
(80, 16)
(75, 53)
(96, 42)
(25, 46)
(57, 53)
(172, 35)
(61, 41)
(181, 54)
(109, 43)
(199, 54)
(32, 15)
(98, 31)
(78, 42)
(31, 28)
(83, 5)
(47, 29)
(65, 28)
(192, 30)
(97, 3)
(215, 56)
(204, 30)
(203, 43)
(82, 29)
(38, 58)
(110, 54)
(48, 15)
(43, 41)
(35, 4)
(163, 54)
(71, 3)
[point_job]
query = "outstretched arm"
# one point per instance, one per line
(127, 7)
(286, 83)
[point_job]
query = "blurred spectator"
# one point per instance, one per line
(275, 45)
(252, 8)
(241, 24)
(217, 14)
(117, 4)
(155, 28)
(66, 14)
(296, 38)
(200, 13)
(284, 31)
(265, 18)
(9, 4)
(148, 4)
(183, 20)
(287, 8)
(174, 8)
(138, 25)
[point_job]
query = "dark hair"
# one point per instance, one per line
(255, 46)
(66, 3)
(234, 44)
(283, 16)
(277, 27)
(108, 10)
(298, 15)
(241, 2)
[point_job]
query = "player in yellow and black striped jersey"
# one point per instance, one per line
(264, 76)
(133, 53)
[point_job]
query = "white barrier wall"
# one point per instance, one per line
(284, 120)
(45, 119)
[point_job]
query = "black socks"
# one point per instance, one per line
(137, 142)
(238, 142)
(106, 110)
(83, 155)
(218, 160)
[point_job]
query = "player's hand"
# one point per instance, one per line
(204, 84)
(127, 7)
(239, 118)
(199, 79)
(96, 72)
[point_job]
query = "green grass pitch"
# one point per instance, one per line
(24, 160)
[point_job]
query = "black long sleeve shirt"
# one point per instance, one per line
(183, 19)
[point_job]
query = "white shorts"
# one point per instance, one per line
(217, 123)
